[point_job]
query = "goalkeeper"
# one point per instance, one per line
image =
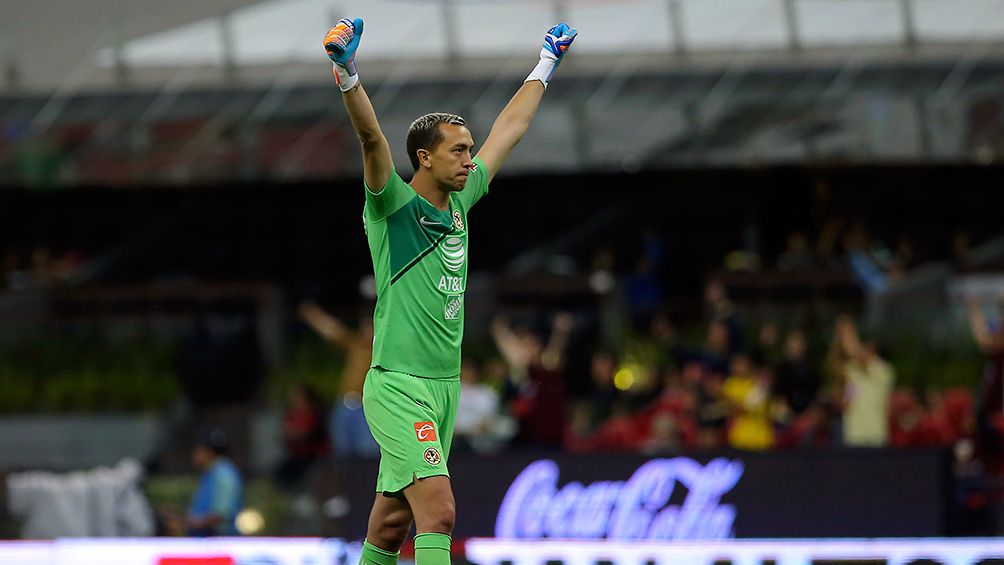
(417, 233)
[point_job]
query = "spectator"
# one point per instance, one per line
(663, 332)
(578, 434)
(480, 425)
(218, 499)
(620, 432)
(718, 308)
(541, 402)
(796, 256)
(498, 375)
(602, 394)
(718, 347)
(347, 422)
(866, 380)
(797, 382)
(714, 354)
(663, 436)
(767, 351)
(905, 415)
(990, 400)
(677, 401)
(712, 410)
(865, 267)
(826, 246)
(643, 288)
(646, 385)
(747, 390)
(303, 434)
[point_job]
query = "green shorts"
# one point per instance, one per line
(412, 420)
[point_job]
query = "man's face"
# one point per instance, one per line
(718, 337)
(450, 162)
(795, 346)
(202, 457)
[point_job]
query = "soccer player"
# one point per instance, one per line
(417, 235)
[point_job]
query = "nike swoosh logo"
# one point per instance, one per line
(425, 222)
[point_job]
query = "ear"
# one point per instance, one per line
(424, 158)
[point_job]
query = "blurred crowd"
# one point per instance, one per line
(680, 386)
(784, 389)
(704, 379)
(774, 394)
(41, 268)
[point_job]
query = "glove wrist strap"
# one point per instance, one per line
(543, 71)
(346, 76)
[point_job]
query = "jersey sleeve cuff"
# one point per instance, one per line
(382, 188)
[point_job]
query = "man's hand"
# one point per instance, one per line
(341, 43)
(556, 43)
(515, 118)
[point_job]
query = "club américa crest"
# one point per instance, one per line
(458, 220)
(432, 456)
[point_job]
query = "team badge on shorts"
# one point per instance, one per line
(458, 220)
(425, 431)
(432, 456)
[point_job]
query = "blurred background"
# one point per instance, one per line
(767, 231)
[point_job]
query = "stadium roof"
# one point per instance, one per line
(44, 43)
(66, 44)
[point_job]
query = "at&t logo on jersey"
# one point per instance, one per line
(452, 251)
(425, 431)
(451, 284)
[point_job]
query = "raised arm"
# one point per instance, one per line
(508, 344)
(326, 325)
(341, 43)
(554, 353)
(515, 118)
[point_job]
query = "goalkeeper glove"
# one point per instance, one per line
(341, 43)
(556, 43)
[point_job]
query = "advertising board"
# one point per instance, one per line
(798, 494)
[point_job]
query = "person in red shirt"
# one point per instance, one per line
(541, 402)
(304, 435)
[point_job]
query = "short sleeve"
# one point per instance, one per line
(476, 187)
(381, 203)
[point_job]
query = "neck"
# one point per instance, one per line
(429, 189)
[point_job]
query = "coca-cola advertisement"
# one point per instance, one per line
(536, 507)
(803, 494)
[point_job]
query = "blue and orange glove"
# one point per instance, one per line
(556, 43)
(341, 43)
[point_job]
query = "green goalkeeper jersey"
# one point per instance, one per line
(420, 263)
